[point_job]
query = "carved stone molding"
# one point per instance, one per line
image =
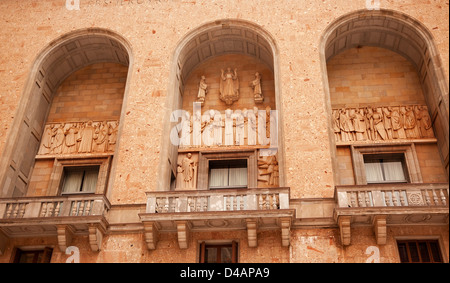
(285, 224)
(96, 233)
(65, 234)
(151, 234)
(379, 227)
(344, 227)
(252, 229)
(183, 231)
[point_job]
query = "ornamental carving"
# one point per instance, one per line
(79, 137)
(384, 123)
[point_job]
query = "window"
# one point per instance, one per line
(36, 256)
(415, 251)
(388, 168)
(218, 253)
(228, 174)
(80, 179)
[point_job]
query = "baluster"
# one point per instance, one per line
(427, 198)
(241, 206)
(267, 201)
(443, 199)
(74, 208)
(402, 199)
(387, 199)
(8, 210)
(228, 204)
(50, 206)
(166, 204)
(43, 209)
(14, 211)
(276, 201)
(353, 199)
(367, 199)
(87, 209)
(394, 199)
(205, 204)
(22, 210)
(172, 205)
(261, 205)
(435, 198)
(360, 200)
(57, 208)
(190, 204)
(81, 209)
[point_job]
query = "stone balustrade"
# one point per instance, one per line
(218, 200)
(392, 195)
(47, 207)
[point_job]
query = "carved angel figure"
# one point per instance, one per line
(229, 86)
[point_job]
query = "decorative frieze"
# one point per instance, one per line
(383, 123)
(79, 137)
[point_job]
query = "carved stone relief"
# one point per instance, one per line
(187, 169)
(257, 90)
(202, 90)
(247, 127)
(229, 86)
(79, 137)
(268, 171)
(385, 123)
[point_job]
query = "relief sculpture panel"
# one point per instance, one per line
(79, 137)
(387, 123)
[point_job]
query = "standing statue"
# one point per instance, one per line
(189, 169)
(257, 91)
(229, 86)
(202, 90)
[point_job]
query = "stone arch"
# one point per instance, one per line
(59, 59)
(213, 39)
(404, 35)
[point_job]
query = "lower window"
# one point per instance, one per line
(34, 256)
(218, 253)
(415, 251)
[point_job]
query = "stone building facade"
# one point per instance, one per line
(224, 131)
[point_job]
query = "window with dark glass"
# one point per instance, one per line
(80, 179)
(223, 253)
(416, 251)
(228, 174)
(34, 256)
(389, 168)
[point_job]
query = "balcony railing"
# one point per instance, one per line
(48, 207)
(218, 200)
(393, 195)
(214, 210)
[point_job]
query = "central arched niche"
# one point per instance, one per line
(205, 51)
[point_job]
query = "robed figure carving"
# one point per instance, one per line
(229, 86)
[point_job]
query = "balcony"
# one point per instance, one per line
(184, 212)
(61, 216)
(390, 204)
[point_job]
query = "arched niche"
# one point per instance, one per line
(404, 35)
(208, 42)
(57, 61)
